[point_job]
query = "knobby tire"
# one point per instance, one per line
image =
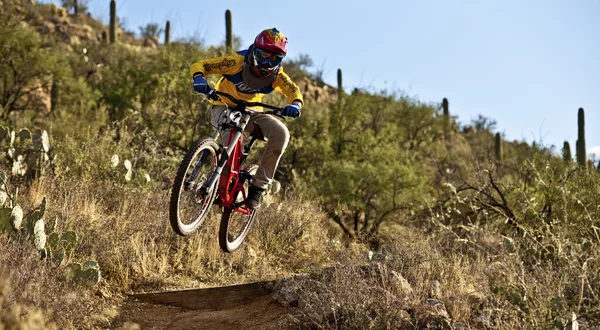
(179, 195)
(227, 241)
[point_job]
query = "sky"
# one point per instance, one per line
(529, 65)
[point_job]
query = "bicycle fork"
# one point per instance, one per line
(190, 182)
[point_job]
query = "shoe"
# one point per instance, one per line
(253, 200)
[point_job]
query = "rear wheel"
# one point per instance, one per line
(236, 223)
(190, 200)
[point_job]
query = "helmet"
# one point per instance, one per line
(268, 51)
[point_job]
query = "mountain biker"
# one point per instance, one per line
(249, 75)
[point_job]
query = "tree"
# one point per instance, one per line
(78, 6)
(26, 65)
(151, 31)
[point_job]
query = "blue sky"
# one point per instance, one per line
(527, 64)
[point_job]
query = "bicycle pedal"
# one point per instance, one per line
(246, 175)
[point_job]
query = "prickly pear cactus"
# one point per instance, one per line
(39, 235)
(114, 160)
(3, 198)
(129, 167)
(88, 275)
(16, 217)
(24, 136)
(60, 246)
(29, 152)
(32, 219)
(68, 240)
(10, 219)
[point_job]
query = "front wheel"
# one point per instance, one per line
(191, 200)
(236, 222)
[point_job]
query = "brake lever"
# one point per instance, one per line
(278, 114)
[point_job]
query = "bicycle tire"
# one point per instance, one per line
(179, 210)
(227, 242)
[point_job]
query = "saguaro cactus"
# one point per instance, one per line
(113, 22)
(445, 107)
(340, 89)
(498, 147)
(567, 152)
(53, 95)
(167, 33)
(228, 32)
(580, 147)
(75, 6)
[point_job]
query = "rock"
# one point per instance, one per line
(48, 28)
(150, 43)
(437, 307)
(402, 284)
(435, 289)
(460, 326)
(475, 300)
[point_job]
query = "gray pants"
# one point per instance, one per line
(276, 134)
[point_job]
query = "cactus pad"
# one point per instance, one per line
(91, 264)
(39, 235)
(32, 220)
(52, 240)
(16, 217)
(88, 277)
(43, 206)
(114, 160)
(24, 135)
(3, 197)
(45, 141)
(68, 240)
(59, 256)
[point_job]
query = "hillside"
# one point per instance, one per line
(398, 217)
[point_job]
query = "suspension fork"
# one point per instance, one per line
(190, 181)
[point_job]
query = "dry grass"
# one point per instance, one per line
(125, 228)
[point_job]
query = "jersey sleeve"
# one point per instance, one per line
(218, 65)
(284, 85)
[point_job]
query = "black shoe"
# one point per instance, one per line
(253, 200)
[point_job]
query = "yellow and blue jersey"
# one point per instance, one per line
(232, 82)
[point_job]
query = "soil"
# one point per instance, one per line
(246, 306)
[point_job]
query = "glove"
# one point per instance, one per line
(292, 110)
(200, 85)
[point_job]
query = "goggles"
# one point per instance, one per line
(265, 57)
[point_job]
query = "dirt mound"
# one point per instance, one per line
(246, 306)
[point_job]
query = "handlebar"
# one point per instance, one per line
(214, 95)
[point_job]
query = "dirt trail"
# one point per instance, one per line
(246, 306)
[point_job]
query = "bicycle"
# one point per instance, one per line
(217, 177)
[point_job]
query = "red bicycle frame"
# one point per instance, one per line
(229, 184)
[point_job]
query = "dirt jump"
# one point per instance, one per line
(246, 306)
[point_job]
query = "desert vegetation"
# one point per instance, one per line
(397, 215)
